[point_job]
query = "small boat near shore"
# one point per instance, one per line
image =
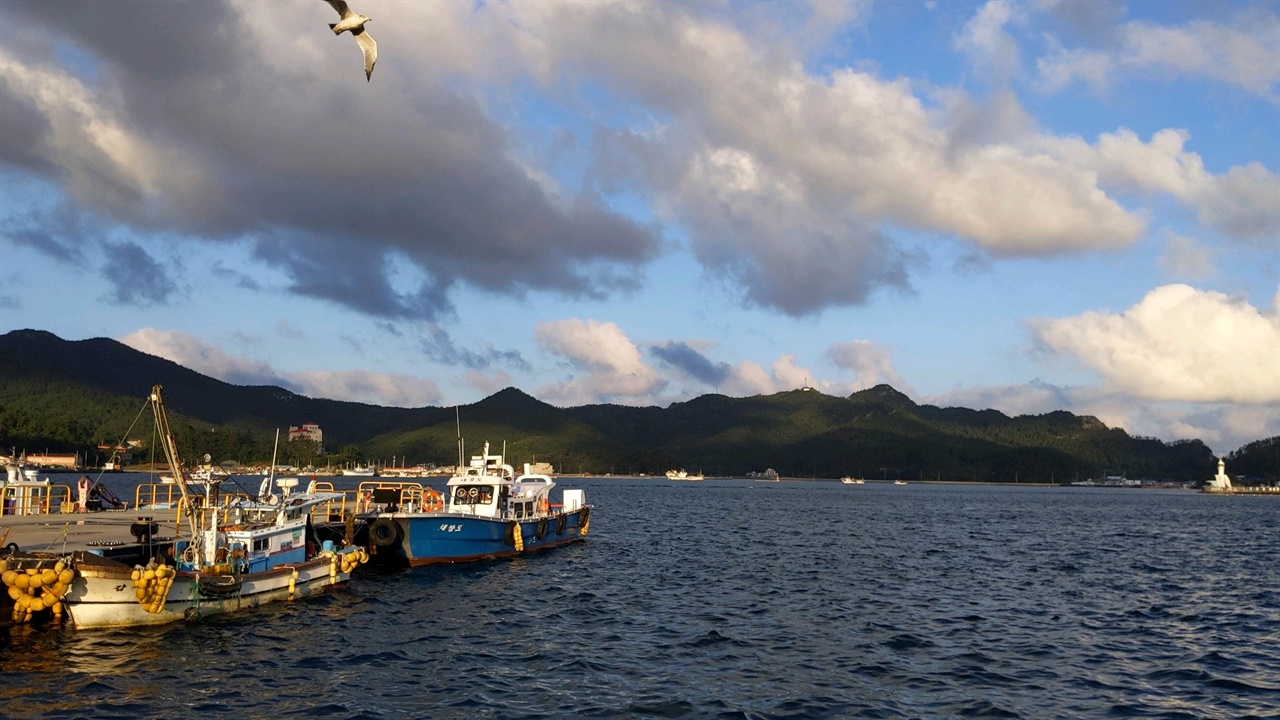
(237, 552)
(852, 481)
(486, 512)
(683, 475)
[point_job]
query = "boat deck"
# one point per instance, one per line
(91, 531)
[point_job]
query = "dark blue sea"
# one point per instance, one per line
(740, 599)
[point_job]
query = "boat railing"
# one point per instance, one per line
(374, 493)
(37, 500)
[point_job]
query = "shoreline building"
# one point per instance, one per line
(308, 431)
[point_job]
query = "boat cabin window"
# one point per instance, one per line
(259, 544)
(473, 495)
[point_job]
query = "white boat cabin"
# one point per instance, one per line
(488, 488)
(24, 493)
(263, 533)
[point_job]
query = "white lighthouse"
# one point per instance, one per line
(1220, 482)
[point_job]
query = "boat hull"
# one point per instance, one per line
(104, 595)
(443, 537)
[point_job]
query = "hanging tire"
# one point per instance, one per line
(584, 516)
(384, 532)
(542, 528)
(560, 524)
(510, 537)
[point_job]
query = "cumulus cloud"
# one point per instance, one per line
(203, 357)
(613, 366)
(750, 378)
(487, 383)
(1177, 344)
(783, 179)
(201, 145)
(387, 389)
(1243, 54)
(871, 364)
(984, 39)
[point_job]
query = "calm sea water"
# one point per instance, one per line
(739, 599)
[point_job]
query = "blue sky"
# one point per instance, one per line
(1029, 206)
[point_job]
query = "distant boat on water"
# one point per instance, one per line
(682, 475)
(852, 481)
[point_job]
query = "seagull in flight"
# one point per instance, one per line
(355, 23)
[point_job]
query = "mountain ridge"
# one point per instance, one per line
(73, 394)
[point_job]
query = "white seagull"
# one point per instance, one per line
(355, 23)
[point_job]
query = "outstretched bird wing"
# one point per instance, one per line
(370, 48)
(340, 6)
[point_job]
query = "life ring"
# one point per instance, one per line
(432, 501)
(384, 532)
(542, 528)
(543, 505)
(560, 524)
(510, 537)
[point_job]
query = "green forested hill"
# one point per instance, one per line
(64, 396)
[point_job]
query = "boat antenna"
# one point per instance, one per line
(458, 419)
(271, 474)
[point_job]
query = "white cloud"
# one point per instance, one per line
(748, 378)
(202, 357)
(487, 383)
(1243, 56)
(1177, 344)
(871, 363)
(615, 371)
(1244, 202)
(384, 389)
(984, 39)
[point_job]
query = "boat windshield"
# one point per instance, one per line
(473, 495)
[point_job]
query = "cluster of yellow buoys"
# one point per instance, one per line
(33, 589)
(345, 561)
(152, 585)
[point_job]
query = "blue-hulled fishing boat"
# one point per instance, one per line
(486, 512)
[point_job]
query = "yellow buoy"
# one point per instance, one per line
(22, 582)
(59, 566)
(66, 576)
(48, 576)
(9, 576)
(14, 592)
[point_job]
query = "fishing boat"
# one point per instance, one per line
(899, 482)
(852, 481)
(683, 475)
(486, 512)
(237, 552)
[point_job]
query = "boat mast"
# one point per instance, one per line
(458, 419)
(171, 455)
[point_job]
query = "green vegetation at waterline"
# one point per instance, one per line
(64, 396)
